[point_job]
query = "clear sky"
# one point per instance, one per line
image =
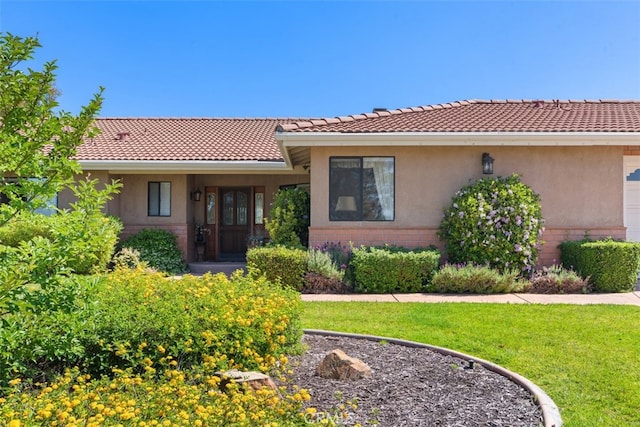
(324, 59)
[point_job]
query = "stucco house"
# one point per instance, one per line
(374, 178)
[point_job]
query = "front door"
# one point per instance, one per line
(234, 226)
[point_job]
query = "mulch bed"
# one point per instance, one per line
(411, 387)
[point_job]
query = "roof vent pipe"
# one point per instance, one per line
(379, 109)
(122, 136)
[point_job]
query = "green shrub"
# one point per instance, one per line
(83, 237)
(475, 279)
(340, 254)
(289, 218)
(88, 240)
(34, 341)
(127, 258)
(386, 270)
(23, 228)
(321, 263)
(158, 248)
(495, 221)
(146, 322)
(557, 280)
(611, 266)
(278, 264)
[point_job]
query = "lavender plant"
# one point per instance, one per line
(496, 222)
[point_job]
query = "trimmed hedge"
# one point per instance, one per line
(612, 266)
(278, 264)
(385, 270)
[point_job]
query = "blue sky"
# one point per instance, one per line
(324, 59)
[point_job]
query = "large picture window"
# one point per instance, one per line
(159, 199)
(361, 188)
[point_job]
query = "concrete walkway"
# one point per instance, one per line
(629, 298)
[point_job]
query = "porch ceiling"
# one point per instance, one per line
(300, 156)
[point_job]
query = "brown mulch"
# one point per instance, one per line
(411, 387)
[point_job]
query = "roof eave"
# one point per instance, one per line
(302, 139)
(184, 166)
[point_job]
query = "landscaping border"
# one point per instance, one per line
(550, 412)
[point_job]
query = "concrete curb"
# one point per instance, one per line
(550, 412)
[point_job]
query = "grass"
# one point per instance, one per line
(586, 358)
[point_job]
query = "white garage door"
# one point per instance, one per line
(632, 197)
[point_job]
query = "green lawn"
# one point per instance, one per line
(586, 358)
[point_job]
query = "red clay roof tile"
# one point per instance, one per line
(212, 139)
(253, 139)
(491, 116)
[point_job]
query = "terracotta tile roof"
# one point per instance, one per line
(487, 116)
(216, 139)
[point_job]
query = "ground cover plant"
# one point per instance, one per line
(557, 280)
(584, 357)
(469, 278)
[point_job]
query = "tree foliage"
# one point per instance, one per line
(37, 145)
(288, 222)
(37, 140)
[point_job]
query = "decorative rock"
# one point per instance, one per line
(337, 365)
(252, 379)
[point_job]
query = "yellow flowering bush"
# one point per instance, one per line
(145, 321)
(133, 319)
(148, 351)
(178, 398)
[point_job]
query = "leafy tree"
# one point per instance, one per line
(288, 222)
(37, 142)
(37, 145)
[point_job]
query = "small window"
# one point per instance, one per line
(48, 209)
(159, 199)
(362, 189)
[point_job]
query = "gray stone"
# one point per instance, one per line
(252, 379)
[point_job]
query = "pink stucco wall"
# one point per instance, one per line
(412, 237)
(581, 190)
(130, 205)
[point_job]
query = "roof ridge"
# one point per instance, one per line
(378, 112)
(207, 118)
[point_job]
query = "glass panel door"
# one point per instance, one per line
(234, 230)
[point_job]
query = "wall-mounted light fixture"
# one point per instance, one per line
(487, 164)
(196, 195)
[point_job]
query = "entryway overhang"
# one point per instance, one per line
(188, 166)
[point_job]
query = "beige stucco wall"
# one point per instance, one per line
(66, 197)
(133, 199)
(130, 205)
(579, 186)
(271, 182)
